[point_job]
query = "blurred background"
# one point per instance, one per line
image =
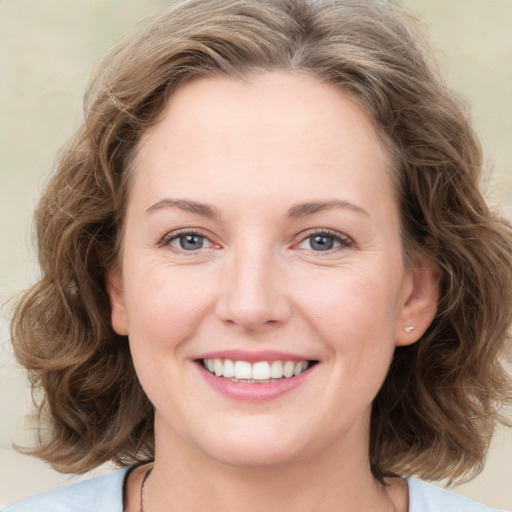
(48, 49)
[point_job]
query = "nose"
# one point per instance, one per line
(253, 295)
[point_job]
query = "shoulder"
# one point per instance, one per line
(425, 497)
(100, 494)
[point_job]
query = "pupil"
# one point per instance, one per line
(321, 243)
(191, 242)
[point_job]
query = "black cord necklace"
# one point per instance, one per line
(148, 472)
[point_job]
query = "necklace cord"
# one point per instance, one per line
(148, 472)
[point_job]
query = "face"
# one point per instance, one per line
(262, 284)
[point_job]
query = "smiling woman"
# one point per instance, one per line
(269, 279)
(280, 266)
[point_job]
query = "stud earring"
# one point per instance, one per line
(409, 328)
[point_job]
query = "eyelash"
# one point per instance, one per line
(343, 240)
(176, 235)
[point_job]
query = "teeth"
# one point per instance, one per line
(243, 370)
(218, 367)
(276, 370)
(228, 369)
(262, 371)
(299, 368)
(288, 368)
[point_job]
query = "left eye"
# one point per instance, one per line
(187, 241)
(322, 242)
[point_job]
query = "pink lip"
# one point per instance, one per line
(252, 357)
(253, 392)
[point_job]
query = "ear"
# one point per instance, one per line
(119, 316)
(419, 306)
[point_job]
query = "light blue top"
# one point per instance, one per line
(105, 494)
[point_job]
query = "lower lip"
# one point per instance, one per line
(253, 392)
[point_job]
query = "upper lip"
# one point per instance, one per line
(253, 356)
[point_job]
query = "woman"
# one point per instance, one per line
(269, 279)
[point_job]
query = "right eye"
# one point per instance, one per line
(187, 241)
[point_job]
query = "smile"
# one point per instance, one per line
(261, 372)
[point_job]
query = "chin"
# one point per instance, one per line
(260, 447)
(258, 455)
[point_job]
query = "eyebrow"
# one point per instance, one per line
(303, 209)
(299, 210)
(186, 205)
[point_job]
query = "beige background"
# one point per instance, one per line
(47, 51)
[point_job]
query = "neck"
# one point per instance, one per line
(339, 479)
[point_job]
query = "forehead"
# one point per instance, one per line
(300, 97)
(276, 129)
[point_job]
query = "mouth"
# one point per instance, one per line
(259, 372)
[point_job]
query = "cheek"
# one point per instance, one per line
(164, 313)
(166, 305)
(354, 317)
(359, 303)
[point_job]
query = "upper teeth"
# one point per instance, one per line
(262, 370)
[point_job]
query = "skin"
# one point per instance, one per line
(256, 152)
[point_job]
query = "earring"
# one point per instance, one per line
(409, 328)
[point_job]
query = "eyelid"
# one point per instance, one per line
(166, 240)
(343, 239)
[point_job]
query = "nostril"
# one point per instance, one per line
(253, 318)
(251, 295)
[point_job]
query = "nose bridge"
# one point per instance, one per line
(252, 292)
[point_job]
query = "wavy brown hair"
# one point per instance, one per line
(437, 409)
